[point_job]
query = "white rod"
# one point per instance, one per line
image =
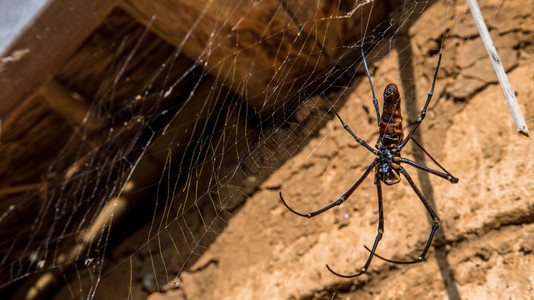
(509, 93)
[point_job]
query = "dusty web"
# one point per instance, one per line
(177, 137)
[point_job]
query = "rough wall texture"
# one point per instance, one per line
(484, 248)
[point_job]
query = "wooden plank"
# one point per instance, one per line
(70, 106)
(264, 51)
(54, 33)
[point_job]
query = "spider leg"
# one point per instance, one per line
(377, 239)
(423, 112)
(389, 260)
(447, 175)
(338, 201)
(454, 179)
(347, 128)
(432, 214)
(375, 102)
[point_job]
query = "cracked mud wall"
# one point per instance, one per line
(484, 248)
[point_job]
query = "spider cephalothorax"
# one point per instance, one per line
(387, 164)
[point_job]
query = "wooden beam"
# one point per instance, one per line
(49, 39)
(66, 104)
(263, 51)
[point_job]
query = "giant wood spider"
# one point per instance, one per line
(387, 164)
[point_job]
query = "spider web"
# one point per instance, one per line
(161, 164)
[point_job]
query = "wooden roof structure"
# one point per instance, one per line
(84, 78)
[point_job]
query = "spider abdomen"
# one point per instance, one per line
(391, 120)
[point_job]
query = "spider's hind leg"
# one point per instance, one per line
(377, 238)
(435, 225)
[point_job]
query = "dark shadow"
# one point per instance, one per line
(405, 54)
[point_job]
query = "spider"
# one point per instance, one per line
(388, 164)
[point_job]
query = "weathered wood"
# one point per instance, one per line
(264, 51)
(55, 32)
(73, 110)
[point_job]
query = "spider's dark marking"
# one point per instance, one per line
(388, 164)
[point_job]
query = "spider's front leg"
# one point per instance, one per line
(423, 112)
(375, 102)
